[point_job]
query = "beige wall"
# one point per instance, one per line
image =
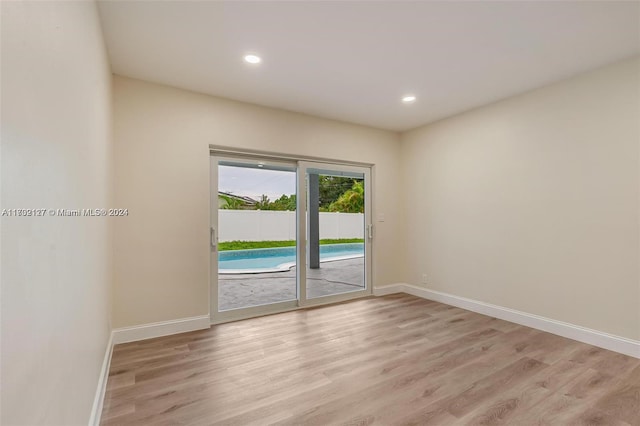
(162, 138)
(56, 153)
(532, 203)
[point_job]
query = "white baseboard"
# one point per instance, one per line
(582, 334)
(98, 400)
(159, 329)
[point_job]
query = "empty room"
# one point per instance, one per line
(320, 212)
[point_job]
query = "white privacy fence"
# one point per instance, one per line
(267, 225)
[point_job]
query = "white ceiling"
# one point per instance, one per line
(352, 61)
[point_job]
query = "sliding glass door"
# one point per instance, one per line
(337, 237)
(286, 234)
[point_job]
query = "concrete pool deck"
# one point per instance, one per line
(244, 290)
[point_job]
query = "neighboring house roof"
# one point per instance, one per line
(246, 200)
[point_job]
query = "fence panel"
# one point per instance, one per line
(266, 225)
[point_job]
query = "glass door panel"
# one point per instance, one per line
(256, 235)
(336, 231)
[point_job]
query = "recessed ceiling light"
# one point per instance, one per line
(252, 59)
(409, 99)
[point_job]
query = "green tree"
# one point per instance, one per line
(263, 203)
(231, 203)
(351, 201)
(331, 188)
(284, 203)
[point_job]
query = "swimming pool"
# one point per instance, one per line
(279, 259)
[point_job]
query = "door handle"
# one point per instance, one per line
(370, 231)
(213, 239)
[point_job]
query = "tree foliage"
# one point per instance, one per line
(351, 201)
(284, 203)
(336, 193)
(331, 188)
(231, 203)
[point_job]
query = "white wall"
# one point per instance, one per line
(56, 153)
(268, 225)
(532, 203)
(162, 137)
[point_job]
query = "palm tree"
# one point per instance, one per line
(351, 201)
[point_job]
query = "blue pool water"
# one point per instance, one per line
(279, 259)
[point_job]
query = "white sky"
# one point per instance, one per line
(255, 182)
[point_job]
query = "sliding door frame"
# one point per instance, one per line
(301, 165)
(217, 316)
(303, 206)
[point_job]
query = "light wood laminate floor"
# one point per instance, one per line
(393, 360)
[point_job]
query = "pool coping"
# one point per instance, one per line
(283, 267)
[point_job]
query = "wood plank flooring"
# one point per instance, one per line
(393, 360)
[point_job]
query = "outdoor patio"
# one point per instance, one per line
(243, 290)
